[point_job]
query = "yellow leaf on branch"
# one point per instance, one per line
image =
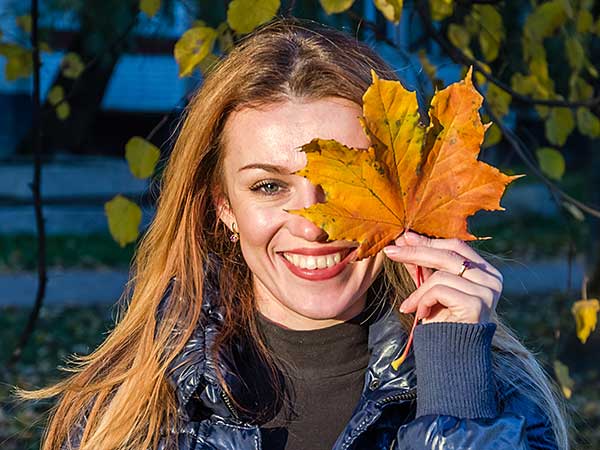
(124, 219)
(491, 32)
(336, 6)
(586, 316)
(72, 65)
(585, 21)
(588, 123)
(545, 19)
(244, 16)
(195, 44)
(551, 161)
(562, 375)
(440, 9)
(63, 111)
(423, 178)
(24, 23)
(391, 9)
(56, 95)
(559, 126)
(141, 156)
(150, 7)
(579, 89)
(499, 100)
(19, 61)
(459, 36)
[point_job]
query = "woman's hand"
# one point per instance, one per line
(444, 296)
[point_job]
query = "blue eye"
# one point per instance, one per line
(267, 187)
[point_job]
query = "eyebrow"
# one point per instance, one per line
(273, 168)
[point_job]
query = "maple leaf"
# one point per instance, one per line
(424, 178)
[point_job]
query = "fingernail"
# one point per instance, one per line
(391, 250)
(411, 238)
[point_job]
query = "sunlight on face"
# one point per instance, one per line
(301, 281)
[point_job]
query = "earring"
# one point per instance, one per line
(235, 235)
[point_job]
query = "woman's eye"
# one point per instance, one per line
(267, 187)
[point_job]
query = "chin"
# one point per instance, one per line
(321, 308)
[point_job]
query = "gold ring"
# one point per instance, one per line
(466, 264)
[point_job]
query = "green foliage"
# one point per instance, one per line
(499, 100)
(24, 23)
(562, 375)
(150, 7)
(391, 9)
(559, 125)
(56, 97)
(491, 30)
(244, 16)
(441, 9)
(551, 162)
(72, 66)
(193, 47)
(124, 218)
(141, 156)
(19, 62)
(587, 123)
(336, 6)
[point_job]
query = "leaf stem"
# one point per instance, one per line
(396, 363)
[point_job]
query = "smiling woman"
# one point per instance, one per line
(248, 329)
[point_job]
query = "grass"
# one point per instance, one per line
(18, 252)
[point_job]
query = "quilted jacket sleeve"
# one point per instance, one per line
(457, 396)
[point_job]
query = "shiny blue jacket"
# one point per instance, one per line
(444, 396)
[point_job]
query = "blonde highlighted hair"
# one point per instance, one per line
(122, 386)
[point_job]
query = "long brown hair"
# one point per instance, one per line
(123, 384)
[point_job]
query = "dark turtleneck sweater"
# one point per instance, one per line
(324, 377)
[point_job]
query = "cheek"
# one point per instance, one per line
(258, 224)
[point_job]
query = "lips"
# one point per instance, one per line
(317, 264)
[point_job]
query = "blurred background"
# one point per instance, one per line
(84, 137)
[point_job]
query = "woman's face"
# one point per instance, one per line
(301, 281)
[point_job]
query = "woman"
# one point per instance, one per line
(248, 330)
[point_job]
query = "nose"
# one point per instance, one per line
(308, 195)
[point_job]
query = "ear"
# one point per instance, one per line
(223, 208)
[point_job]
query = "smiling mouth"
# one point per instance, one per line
(319, 266)
(315, 262)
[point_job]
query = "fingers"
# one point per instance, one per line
(458, 306)
(485, 294)
(445, 296)
(444, 254)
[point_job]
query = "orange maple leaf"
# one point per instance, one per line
(423, 178)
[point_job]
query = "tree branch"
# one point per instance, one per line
(289, 11)
(109, 48)
(459, 57)
(36, 192)
(518, 146)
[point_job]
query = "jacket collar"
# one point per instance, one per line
(194, 371)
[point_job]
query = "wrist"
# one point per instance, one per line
(454, 369)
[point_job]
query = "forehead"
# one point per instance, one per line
(273, 134)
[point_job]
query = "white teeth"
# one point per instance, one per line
(313, 262)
